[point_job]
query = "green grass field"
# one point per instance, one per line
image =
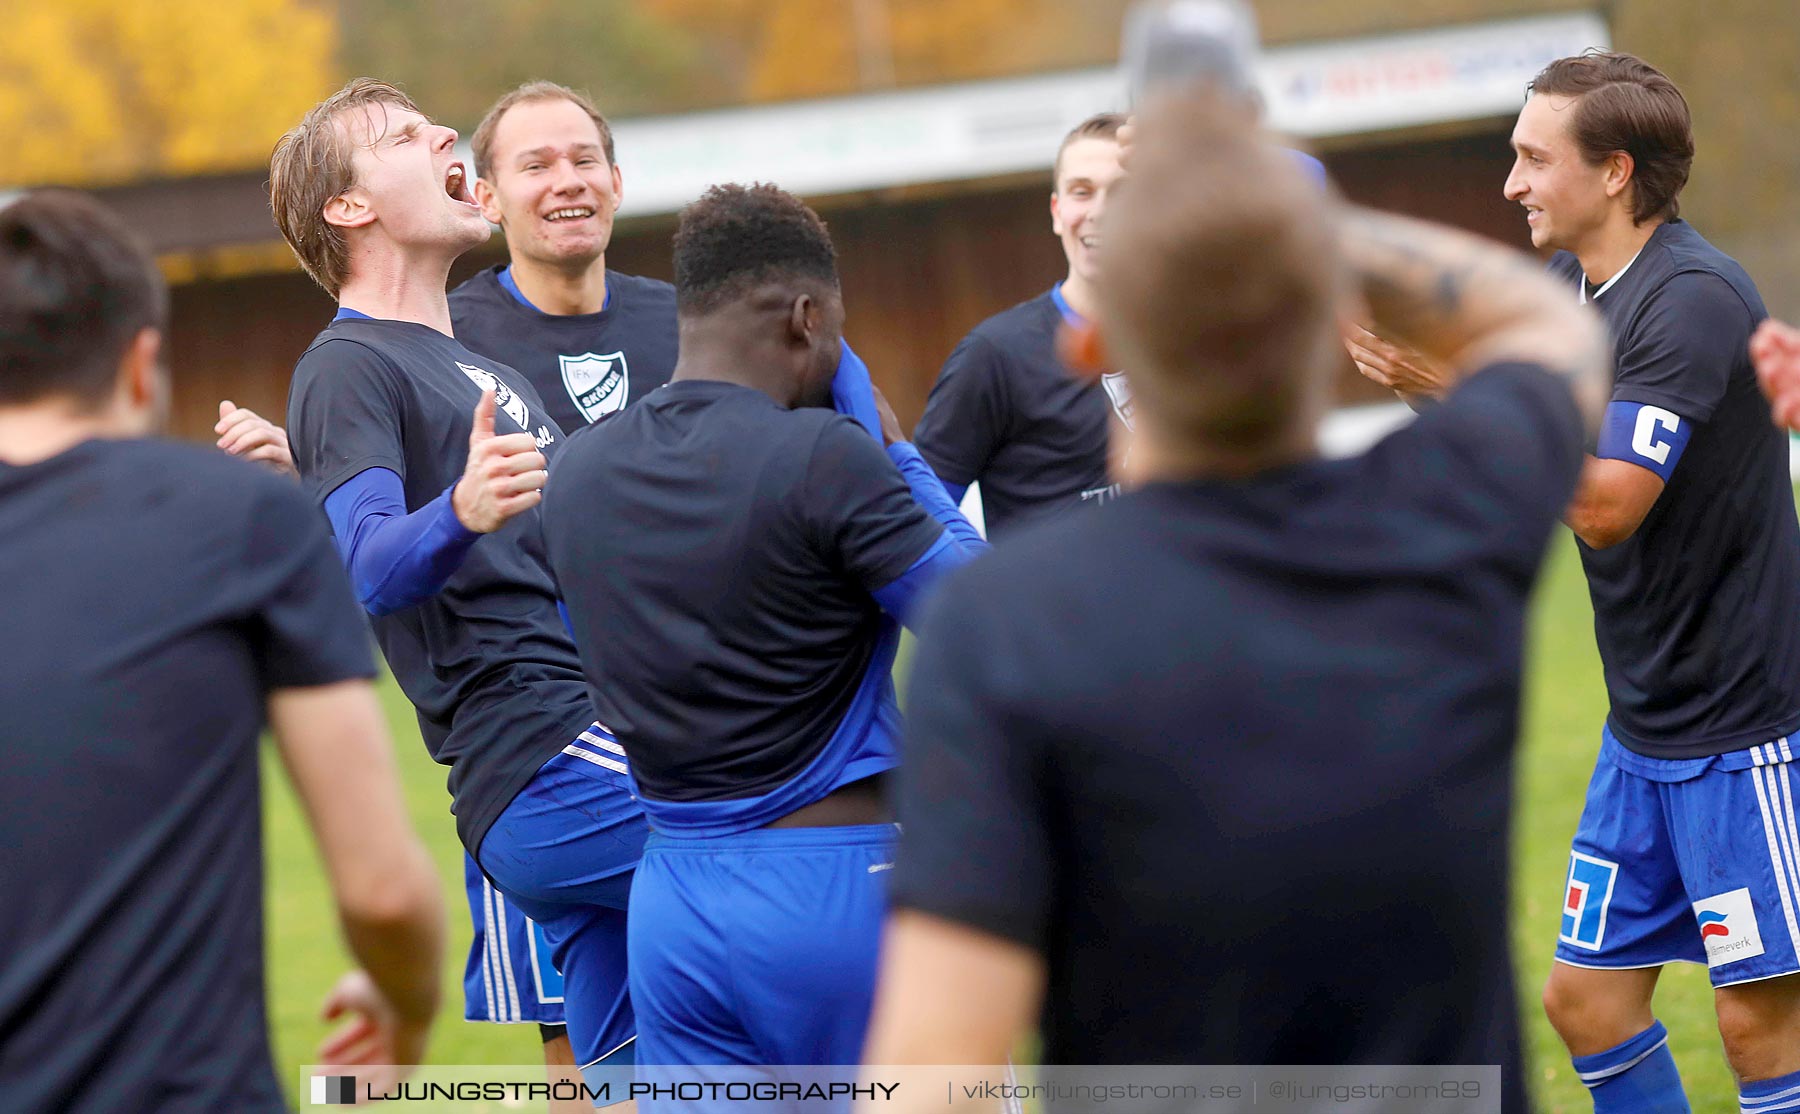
(1565, 703)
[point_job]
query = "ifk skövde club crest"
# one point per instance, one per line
(598, 383)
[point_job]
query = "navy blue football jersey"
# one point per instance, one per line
(1235, 756)
(717, 553)
(486, 662)
(584, 365)
(154, 594)
(1697, 614)
(1005, 411)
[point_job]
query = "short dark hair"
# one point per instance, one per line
(1623, 103)
(482, 142)
(736, 237)
(1101, 125)
(75, 288)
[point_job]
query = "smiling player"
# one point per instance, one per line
(1005, 411)
(1686, 850)
(430, 461)
(590, 340)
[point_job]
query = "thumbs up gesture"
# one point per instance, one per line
(504, 477)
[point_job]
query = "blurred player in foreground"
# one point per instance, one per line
(730, 551)
(1256, 720)
(420, 450)
(162, 606)
(1687, 850)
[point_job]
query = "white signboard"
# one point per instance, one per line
(953, 133)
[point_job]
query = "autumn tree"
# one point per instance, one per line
(98, 91)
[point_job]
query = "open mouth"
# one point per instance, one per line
(456, 184)
(1090, 242)
(572, 212)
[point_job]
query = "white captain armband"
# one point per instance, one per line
(1647, 436)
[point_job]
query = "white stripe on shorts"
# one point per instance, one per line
(596, 759)
(1781, 847)
(488, 950)
(601, 742)
(506, 968)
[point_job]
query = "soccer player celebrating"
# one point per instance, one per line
(589, 339)
(728, 550)
(1005, 411)
(1200, 721)
(1686, 849)
(161, 606)
(430, 461)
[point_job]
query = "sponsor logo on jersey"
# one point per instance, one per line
(1728, 927)
(1118, 390)
(598, 383)
(504, 400)
(1585, 900)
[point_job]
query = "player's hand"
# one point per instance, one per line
(504, 477)
(891, 433)
(1394, 365)
(382, 1046)
(1775, 349)
(247, 434)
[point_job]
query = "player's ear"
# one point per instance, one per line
(141, 387)
(489, 200)
(1055, 214)
(1083, 350)
(350, 209)
(1618, 169)
(618, 187)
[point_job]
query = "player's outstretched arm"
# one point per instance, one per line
(1775, 349)
(245, 433)
(335, 745)
(1465, 303)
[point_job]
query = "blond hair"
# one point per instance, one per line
(310, 165)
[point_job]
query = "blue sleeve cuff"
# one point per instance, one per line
(901, 596)
(1648, 436)
(931, 494)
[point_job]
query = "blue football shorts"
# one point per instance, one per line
(509, 978)
(1692, 860)
(563, 853)
(758, 947)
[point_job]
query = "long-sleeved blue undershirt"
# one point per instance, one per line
(853, 394)
(395, 559)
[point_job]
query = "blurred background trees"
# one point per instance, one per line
(96, 92)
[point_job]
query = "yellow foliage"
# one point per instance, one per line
(803, 48)
(100, 91)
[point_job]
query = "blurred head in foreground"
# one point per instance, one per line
(82, 313)
(1220, 285)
